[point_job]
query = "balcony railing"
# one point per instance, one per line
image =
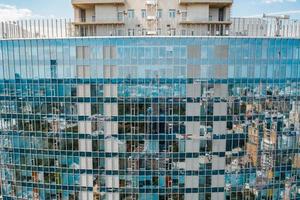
(185, 20)
(59, 28)
(79, 2)
(206, 1)
(94, 21)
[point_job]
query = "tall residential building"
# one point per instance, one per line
(152, 17)
(152, 117)
(149, 118)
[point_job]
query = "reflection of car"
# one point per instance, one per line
(74, 166)
(228, 187)
(247, 186)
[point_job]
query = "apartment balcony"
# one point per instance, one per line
(210, 2)
(94, 21)
(187, 21)
(86, 2)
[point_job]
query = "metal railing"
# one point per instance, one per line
(59, 28)
(268, 27)
(41, 28)
(93, 19)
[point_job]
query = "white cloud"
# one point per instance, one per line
(12, 13)
(278, 1)
(288, 12)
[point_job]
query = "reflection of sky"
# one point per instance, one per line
(258, 7)
(239, 179)
(175, 90)
(165, 61)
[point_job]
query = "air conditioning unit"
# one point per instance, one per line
(151, 17)
(151, 2)
(151, 33)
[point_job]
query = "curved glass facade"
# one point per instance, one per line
(155, 118)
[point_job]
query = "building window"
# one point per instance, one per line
(53, 66)
(130, 32)
(159, 31)
(144, 13)
(130, 13)
(83, 31)
(159, 13)
(221, 14)
(82, 15)
(120, 15)
(184, 15)
(172, 31)
(120, 32)
(172, 13)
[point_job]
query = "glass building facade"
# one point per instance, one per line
(150, 118)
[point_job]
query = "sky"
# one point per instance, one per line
(34, 9)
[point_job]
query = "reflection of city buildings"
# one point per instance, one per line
(117, 118)
(253, 144)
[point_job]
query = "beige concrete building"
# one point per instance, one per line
(252, 146)
(152, 17)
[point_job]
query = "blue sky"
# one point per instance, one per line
(20, 9)
(258, 7)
